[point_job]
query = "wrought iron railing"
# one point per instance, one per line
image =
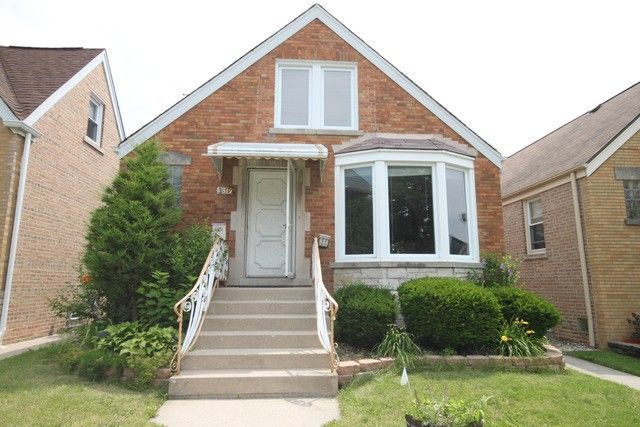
(196, 302)
(326, 307)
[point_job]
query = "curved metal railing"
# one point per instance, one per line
(196, 301)
(325, 305)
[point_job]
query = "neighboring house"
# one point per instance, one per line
(571, 204)
(313, 133)
(60, 127)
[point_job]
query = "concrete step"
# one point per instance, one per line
(257, 358)
(264, 294)
(248, 383)
(261, 307)
(257, 322)
(257, 339)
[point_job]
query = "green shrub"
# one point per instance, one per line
(78, 301)
(445, 411)
(156, 299)
(497, 270)
(130, 235)
(145, 367)
(518, 340)
(364, 314)
(517, 303)
(447, 312)
(399, 345)
(188, 252)
(94, 364)
(131, 339)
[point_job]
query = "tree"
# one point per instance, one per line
(130, 235)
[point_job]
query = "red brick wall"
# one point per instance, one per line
(555, 275)
(65, 182)
(242, 110)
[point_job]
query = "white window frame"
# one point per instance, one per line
(381, 160)
(528, 225)
(100, 108)
(316, 92)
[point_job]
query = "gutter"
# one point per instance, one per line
(29, 133)
(583, 259)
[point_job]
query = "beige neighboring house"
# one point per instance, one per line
(571, 204)
(60, 126)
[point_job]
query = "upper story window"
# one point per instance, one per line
(632, 200)
(535, 227)
(316, 95)
(405, 205)
(94, 123)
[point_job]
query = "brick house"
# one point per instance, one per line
(313, 134)
(571, 204)
(60, 128)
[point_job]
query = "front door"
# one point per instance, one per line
(267, 245)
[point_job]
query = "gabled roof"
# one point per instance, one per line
(584, 142)
(33, 79)
(314, 12)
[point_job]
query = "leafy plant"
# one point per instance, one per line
(446, 412)
(517, 303)
(130, 235)
(79, 301)
(94, 364)
(635, 323)
(364, 314)
(145, 367)
(399, 345)
(130, 339)
(156, 299)
(446, 312)
(497, 270)
(188, 252)
(517, 340)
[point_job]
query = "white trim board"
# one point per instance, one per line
(613, 146)
(101, 58)
(314, 12)
(5, 112)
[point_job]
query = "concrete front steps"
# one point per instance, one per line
(257, 343)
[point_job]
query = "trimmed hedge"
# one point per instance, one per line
(446, 312)
(364, 314)
(517, 303)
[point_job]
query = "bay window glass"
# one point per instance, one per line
(358, 201)
(337, 98)
(411, 225)
(294, 97)
(457, 213)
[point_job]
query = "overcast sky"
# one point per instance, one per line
(511, 70)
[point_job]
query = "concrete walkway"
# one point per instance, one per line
(602, 372)
(248, 412)
(21, 347)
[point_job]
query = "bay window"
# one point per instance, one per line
(403, 205)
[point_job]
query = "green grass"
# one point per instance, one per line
(34, 390)
(608, 358)
(518, 398)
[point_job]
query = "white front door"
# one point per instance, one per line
(266, 223)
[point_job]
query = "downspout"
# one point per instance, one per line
(583, 259)
(24, 163)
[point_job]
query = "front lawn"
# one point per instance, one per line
(34, 390)
(608, 358)
(518, 398)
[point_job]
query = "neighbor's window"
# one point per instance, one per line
(535, 226)
(94, 123)
(358, 200)
(316, 95)
(457, 212)
(411, 210)
(632, 198)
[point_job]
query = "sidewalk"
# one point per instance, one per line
(248, 412)
(21, 347)
(602, 372)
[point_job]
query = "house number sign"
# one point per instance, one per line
(225, 191)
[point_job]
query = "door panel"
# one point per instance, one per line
(266, 223)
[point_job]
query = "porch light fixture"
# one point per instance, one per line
(323, 240)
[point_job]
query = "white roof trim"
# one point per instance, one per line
(71, 83)
(5, 112)
(315, 12)
(613, 146)
(265, 150)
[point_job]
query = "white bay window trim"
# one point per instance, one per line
(316, 71)
(380, 160)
